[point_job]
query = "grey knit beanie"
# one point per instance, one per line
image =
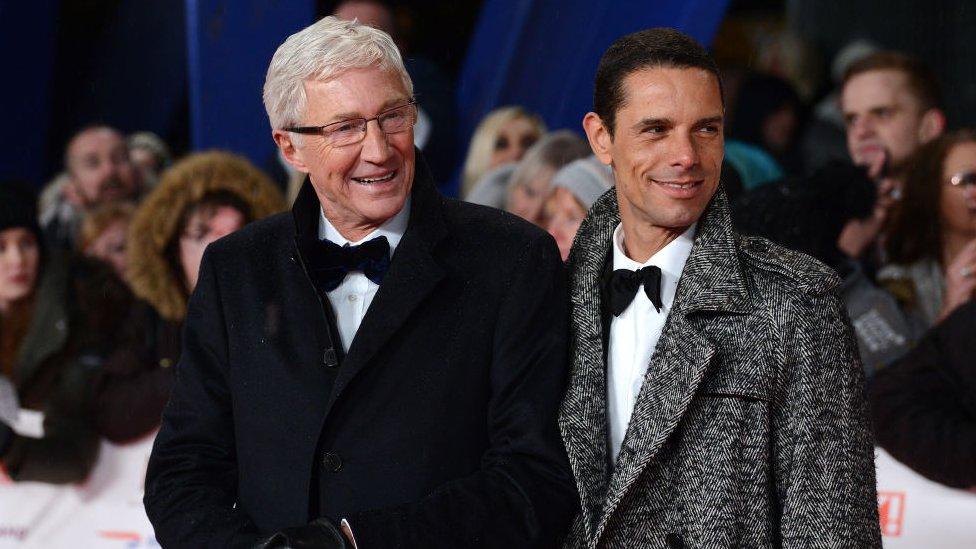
(587, 178)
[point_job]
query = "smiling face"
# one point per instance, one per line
(667, 146)
(359, 186)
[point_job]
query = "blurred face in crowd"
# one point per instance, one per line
(204, 226)
(363, 184)
(99, 168)
(778, 129)
(563, 215)
(146, 162)
(526, 199)
(514, 138)
(884, 117)
(19, 263)
(667, 146)
(958, 202)
(111, 246)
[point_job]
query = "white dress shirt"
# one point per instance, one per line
(351, 299)
(634, 334)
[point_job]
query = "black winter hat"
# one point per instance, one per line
(18, 207)
(808, 214)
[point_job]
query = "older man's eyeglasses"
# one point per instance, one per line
(963, 179)
(352, 131)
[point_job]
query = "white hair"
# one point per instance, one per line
(319, 52)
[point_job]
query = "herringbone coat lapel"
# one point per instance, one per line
(712, 280)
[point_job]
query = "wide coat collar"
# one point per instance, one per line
(414, 270)
(713, 281)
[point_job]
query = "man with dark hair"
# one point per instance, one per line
(716, 397)
(99, 171)
(891, 106)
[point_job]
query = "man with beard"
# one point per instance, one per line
(98, 171)
(891, 106)
(716, 397)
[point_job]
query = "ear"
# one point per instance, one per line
(290, 149)
(598, 136)
(932, 126)
(71, 192)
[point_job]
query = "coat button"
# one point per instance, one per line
(674, 541)
(332, 462)
(329, 359)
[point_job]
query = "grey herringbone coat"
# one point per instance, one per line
(750, 429)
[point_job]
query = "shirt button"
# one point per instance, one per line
(353, 298)
(332, 462)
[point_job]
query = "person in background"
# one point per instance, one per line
(530, 182)
(931, 245)
(808, 214)
(924, 405)
(150, 155)
(503, 136)
(104, 233)
(99, 171)
(59, 322)
(202, 198)
(492, 188)
(575, 188)
(767, 115)
(891, 106)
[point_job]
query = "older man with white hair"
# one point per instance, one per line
(380, 367)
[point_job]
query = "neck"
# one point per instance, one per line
(643, 240)
(953, 243)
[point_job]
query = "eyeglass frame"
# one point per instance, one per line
(960, 179)
(321, 130)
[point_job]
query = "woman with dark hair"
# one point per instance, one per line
(59, 322)
(931, 245)
(198, 200)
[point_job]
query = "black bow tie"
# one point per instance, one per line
(331, 262)
(621, 286)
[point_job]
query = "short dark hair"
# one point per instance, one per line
(921, 79)
(650, 48)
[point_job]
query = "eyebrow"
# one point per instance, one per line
(389, 104)
(716, 119)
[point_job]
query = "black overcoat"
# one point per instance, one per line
(437, 429)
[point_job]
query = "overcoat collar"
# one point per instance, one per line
(713, 281)
(414, 270)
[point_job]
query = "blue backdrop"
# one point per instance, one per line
(542, 54)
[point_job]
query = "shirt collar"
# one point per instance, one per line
(671, 258)
(392, 229)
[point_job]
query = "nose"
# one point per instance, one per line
(376, 147)
(684, 153)
(862, 127)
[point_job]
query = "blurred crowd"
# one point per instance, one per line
(97, 268)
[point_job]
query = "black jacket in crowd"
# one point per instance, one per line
(924, 405)
(437, 429)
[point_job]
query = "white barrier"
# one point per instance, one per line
(917, 513)
(106, 511)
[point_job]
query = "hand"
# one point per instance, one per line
(960, 280)
(318, 534)
(9, 403)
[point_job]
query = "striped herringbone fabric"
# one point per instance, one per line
(750, 429)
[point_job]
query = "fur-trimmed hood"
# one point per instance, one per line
(156, 221)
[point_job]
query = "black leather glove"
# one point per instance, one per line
(318, 534)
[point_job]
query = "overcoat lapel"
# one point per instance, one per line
(712, 280)
(414, 273)
(583, 414)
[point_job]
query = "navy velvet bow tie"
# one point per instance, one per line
(621, 286)
(332, 262)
